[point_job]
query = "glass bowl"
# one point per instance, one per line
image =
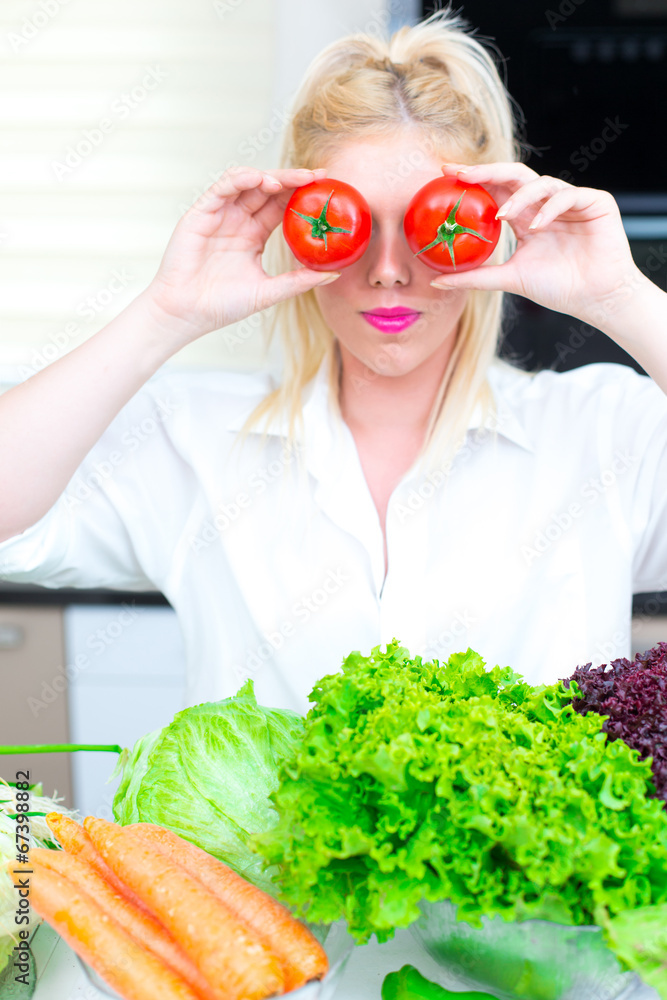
(531, 960)
(334, 938)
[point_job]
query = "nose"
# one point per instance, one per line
(388, 257)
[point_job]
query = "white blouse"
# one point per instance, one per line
(528, 549)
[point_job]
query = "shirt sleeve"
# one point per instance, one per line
(87, 539)
(629, 438)
(649, 497)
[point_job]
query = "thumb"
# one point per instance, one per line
(487, 277)
(284, 286)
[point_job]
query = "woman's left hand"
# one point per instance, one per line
(572, 253)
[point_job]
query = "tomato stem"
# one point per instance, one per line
(447, 232)
(320, 225)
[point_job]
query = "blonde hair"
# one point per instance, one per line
(437, 77)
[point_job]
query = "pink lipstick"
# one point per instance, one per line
(391, 320)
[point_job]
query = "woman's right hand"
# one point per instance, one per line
(211, 273)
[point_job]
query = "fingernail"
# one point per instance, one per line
(536, 221)
(331, 276)
(502, 212)
(438, 283)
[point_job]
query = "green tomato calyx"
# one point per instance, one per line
(320, 226)
(447, 232)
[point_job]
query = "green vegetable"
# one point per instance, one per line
(207, 776)
(58, 748)
(10, 989)
(420, 781)
(409, 984)
(639, 938)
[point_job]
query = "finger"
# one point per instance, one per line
(253, 199)
(271, 215)
(233, 182)
(512, 175)
(587, 201)
(530, 194)
(285, 286)
(230, 185)
(284, 183)
(294, 177)
(487, 277)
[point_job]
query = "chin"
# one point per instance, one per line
(394, 361)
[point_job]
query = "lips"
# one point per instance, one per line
(391, 320)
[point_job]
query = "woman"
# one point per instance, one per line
(393, 484)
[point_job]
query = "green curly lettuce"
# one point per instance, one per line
(639, 939)
(450, 781)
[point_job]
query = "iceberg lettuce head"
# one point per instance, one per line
(207, 776)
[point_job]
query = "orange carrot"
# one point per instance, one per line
(233, 959)
(130, 969)
(76, 841)
(139, 924)
(300, 952)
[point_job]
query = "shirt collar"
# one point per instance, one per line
(317, 409)
(505, 420)
(316, 406)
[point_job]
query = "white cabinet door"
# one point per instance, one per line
(126, 667)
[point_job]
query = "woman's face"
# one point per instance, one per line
(388, 171)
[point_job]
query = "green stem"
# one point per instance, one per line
(447, 232)
(59, 748)
(320, 225)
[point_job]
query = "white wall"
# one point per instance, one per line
(113, 117)
(126, 679)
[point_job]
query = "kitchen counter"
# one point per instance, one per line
(60, 977)
(31, 593)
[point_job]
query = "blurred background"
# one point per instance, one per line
(114, 117)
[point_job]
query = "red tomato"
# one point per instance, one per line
(327, 224)
(452, 225)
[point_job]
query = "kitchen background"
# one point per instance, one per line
(113, 119)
